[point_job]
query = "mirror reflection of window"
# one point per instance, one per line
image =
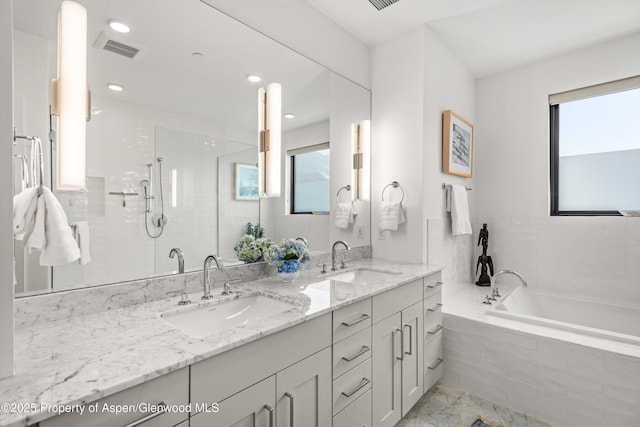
(310, 179)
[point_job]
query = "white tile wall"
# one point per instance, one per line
(591, 258)
(561, 383)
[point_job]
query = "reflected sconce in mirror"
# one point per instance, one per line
(270, 126)
(361, 150)
(71, 99)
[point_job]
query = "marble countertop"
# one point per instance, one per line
(84, 358)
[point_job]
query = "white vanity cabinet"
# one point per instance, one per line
(171, 389)
(397, 346)
(267, 381)
(432, 330)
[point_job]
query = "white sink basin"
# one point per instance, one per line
(205, 320)
(363, 276)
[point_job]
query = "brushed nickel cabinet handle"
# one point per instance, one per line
(362, 384)
(436, 365)
(435, 307)
(362, 318)
(362, 351)
(163, 410)
(270, 409)
(436, 330)
(290, 396)
(410, 338)
(437, 285)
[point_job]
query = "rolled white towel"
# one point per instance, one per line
(392, 216)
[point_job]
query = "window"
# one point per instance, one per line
(310, 179)
(595, 149)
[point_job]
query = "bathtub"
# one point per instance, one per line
(567, 362)
(613, 322)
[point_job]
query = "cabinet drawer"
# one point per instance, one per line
(218, 377)
(396, 300)
(433, 361)
(351, 351)
(349, 387)
(432, 327)
(358, 414)
(432, 284)
(172, 389)
(351, 319)
(432, 305)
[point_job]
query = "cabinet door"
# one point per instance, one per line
(387, 371)
(252, 407)
(304, 392)
(412, 359)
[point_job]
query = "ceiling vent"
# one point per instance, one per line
(381, 4)
(112, 44)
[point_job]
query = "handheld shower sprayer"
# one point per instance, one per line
(158, 220)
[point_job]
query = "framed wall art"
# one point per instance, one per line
(246, 182)
(457, 145)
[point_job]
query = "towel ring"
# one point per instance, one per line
(394, 184)
(346, 187)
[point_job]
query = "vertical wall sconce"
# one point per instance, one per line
(361, 149)
(174, 188)
(269, 122)
(70, 100)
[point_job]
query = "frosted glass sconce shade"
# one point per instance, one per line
(70, 96)
(270, 127)
(361, 152)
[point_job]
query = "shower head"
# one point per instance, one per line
(160, 159)
(144, 183)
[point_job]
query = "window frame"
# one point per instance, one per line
(292, 154)
(554, 137)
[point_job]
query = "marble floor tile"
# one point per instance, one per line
(447, 406)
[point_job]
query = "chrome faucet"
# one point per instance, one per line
(495, 292)
(333, 252)
(206, 281)
(173, 253)
(303, 240)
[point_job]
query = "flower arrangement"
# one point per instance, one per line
(250, 249)
(287, 255)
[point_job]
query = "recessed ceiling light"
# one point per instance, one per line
(289, 115)
(119, 27)
(253, 78)
(115, 87)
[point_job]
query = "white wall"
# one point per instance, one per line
(588, 257)
(414, 79)
(300, 26)
(6, 190)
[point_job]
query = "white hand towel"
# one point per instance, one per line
(24, 209)
(460, 223)
(344, 215)
(392, 216)
(84, 242)
(51, 234)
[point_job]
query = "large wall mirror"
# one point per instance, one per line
(186, 121)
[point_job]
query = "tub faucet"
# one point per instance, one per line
(173, 253)
(495, 292)
(333, 252)
(206, 281)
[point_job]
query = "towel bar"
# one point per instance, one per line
(444, 186)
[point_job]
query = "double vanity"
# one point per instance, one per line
(357, 347)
